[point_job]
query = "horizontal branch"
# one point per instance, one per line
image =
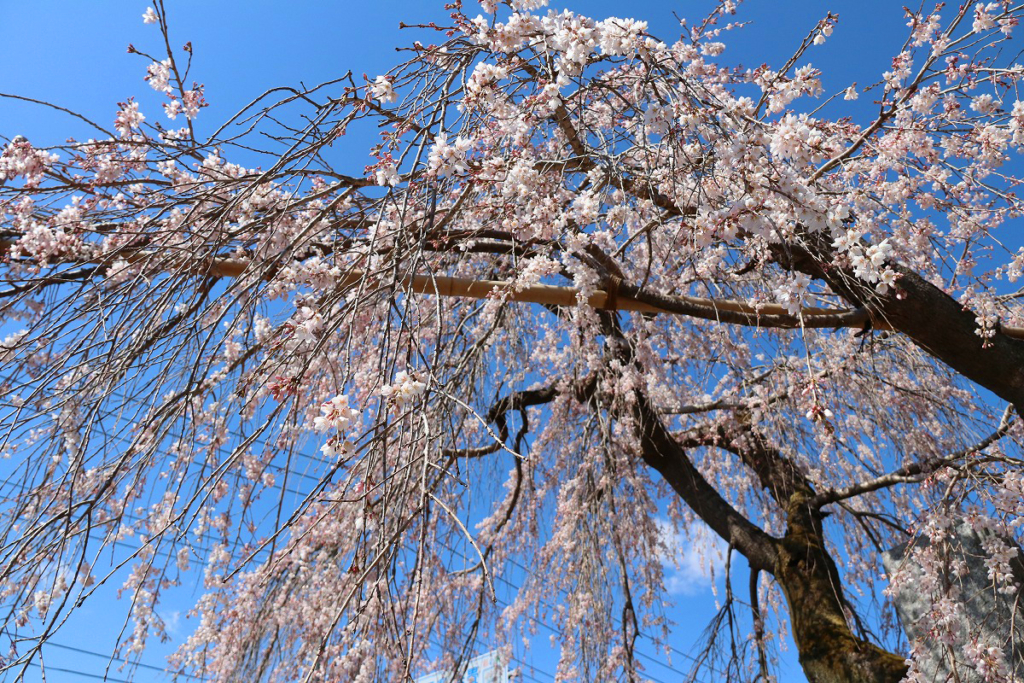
(627, 298)
(618, 296)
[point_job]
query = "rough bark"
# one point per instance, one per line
(829, 650)
(928, 316)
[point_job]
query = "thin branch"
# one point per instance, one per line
(913, 472)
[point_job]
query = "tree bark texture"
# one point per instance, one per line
(829, 650)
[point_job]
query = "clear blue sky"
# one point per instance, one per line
(74, 54)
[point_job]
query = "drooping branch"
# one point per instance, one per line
(519, 401)
(721, 184)
(662, 452)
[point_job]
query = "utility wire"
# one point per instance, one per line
(110, 657)
(83, 674)
(320, 461)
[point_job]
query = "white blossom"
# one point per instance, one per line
(382, 90)
(405, 389)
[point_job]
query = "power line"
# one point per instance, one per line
(83, 674)
(111, 657)
(499, 578)
(685, 655)
(317, 461)
(455, 552)
(559, 633)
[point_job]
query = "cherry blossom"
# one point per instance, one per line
(159, 76)
(128, 118)
(336, 415)
(587, 289)
(405, 389)
(448, 159)
(383, 90)
(21, 159)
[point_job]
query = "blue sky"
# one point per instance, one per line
(74, 54)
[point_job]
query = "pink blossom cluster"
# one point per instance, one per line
(404, 390)
(129, 118)
(21, 159)
(449, 159)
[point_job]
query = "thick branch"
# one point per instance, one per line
(662, 452)
(932, 319)
(739, 313)
(777, 474)
(626, 298)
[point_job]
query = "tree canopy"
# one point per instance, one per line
(596, 287)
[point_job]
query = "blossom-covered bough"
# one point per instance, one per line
(594, 284)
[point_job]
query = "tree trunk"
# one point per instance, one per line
(829, 650)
